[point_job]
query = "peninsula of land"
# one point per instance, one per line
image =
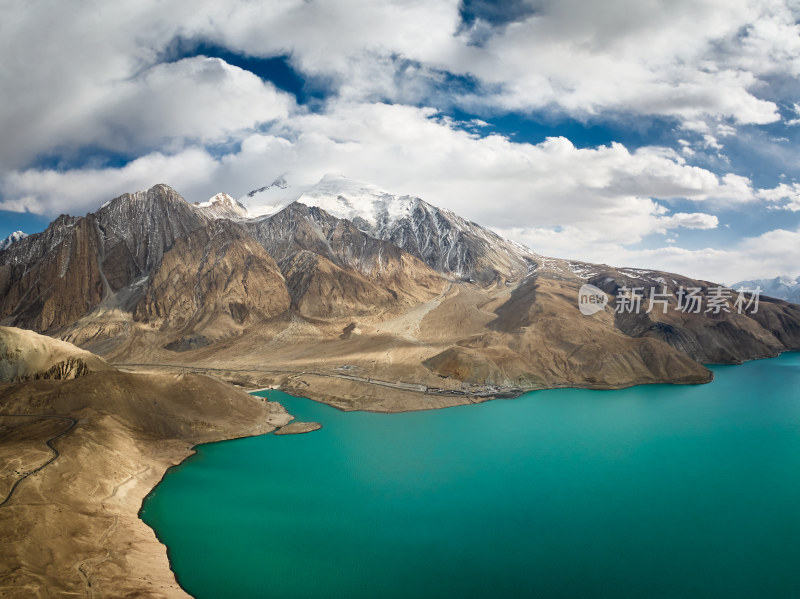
(79, 453)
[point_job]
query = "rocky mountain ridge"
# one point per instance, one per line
(222, 206)
(400, 294)
(440, 238)
(785, 288)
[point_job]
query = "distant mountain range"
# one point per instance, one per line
(785, 288)
(347, 293)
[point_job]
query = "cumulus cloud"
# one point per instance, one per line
(694, 220)
(648, 58)
(197, 99)
(767, 255)
(77, 79)
(77, 191)
(200, 99)
(490, 179)
(787, 195)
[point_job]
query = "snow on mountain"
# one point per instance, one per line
(783, 287)
(358, 201)
(365, 204)
(272, 198)
(442, 239)
(222, 206)
(13, 238)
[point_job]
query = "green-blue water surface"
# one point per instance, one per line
(653, 491)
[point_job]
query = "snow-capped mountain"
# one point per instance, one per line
(365, 204)
(222, 206)
(785, 288)
(272, 198)
(13, 238)
(346, 273)
(442, 239)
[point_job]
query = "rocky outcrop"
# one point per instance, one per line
(25, 355)
(218, 272)
(71, 368)
(51, 279)
(138, 229)
(222, 206)
(450, 244)
(326, 259)
(298, 428)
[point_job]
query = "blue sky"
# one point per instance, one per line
(661, 134)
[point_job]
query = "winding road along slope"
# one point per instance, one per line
(49, 443)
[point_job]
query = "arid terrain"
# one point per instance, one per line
(150, 307)
(361, 299)
(71, 525)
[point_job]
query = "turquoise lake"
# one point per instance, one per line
(653, 491)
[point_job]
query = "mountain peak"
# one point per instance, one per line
(440, 238)
(222, 206)
(13, 238)
(161, 192)
(340, 196)
(280, 182)
(220, 198)
(357, 201)
(271, 198)
(782, 287)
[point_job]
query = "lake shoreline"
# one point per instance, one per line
(699, 414)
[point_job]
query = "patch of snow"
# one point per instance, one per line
(337, 195)
(272, 198)
(782, 287)
(222, 206)
(13, 238)
(353, 199)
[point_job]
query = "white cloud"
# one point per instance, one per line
(25, 203)
(490, 179)
(795, 121)
(77, 191)
(77, 76)
(87, 75)
(585, 203)
(764, 256)
(202, 99)
(197, 99)
(646, 58)
(767, 255)
(694, 220)
(788, 194)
